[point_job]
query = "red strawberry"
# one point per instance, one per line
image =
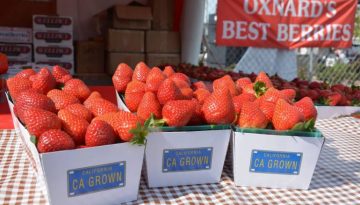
(59, 72)
(16, 85)
(240, 99)
(252, 117)
(122, 77)
(334, 99)
(38, 120)
(241, 82)
(77, 88)
(168, 91)
(201, 95)
(218, 108)
(99, 133)
(80, 110)
(197, 118)
(262, 76)
(180, 76)
(54, 140)
(226, 82)
(65, 79)
(93, 95)
(133, 94)
(123, 122)
(168, 71)
(74, 125)
(273, 95)
(180, 83)
(288, 94)
(100, 106)
(154, 79)
(249, 88)
(43, 81)
(199, 84)
(187, 93)
(140, 73)
(27, 99)
(307, 108)
(25, 73)
(149, 105)
(178, 113)
(267, 108)
(61, 99)
(286, 116)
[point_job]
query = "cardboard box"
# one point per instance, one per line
(163, 14)
(82, 176)
(120, 99)
(326, 112)
(268, 158)
(17, 52)
(162, 42)
(48, 38)
(114, 59)
(15, 35)
(90, 57)
(125, 41)
(186, 155)
(131, 17)
(52, 23)
(69, 65)
(60, 53)
(156, 59)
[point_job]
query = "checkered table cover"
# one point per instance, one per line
(336, 179)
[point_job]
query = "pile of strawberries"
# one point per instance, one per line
(62, 113)
(171, 98)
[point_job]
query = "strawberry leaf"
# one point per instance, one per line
(140, 133)
(355, 102)
(259, 88)
(298, 127)
(33, 139)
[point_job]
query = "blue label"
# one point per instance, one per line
(275, 162)
(96, 178)
(192, 159)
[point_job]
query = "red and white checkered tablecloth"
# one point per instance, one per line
(336, 179)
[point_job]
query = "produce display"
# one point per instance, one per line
(61, 113)
(320, 92)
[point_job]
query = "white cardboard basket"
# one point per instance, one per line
(326, 112)
(120, 102)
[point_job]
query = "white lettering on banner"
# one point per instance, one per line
(294, 8)
(245, 30)
(228, 26)
(282, 32)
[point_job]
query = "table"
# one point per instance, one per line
(336, 179)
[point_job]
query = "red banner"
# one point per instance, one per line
(285, 23)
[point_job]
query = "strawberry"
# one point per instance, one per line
(307, 108)
(101, 106)
(187, 93)
(240, 99)
(168, 71)
(168, 91)
(180, 77)
(141, 71)
(288, 94)
(16, 85)
(197, 118)
(123, 122)
(180, 83)
(286, 116)
(77, 88)
(38, 120)
(64, 79)
(80, 110)
(74, 125)
(99, 133)
(252, 117)
(226, 82)
(54, 140)
(59, 72)
(199, 84)
(149, 105)
(267, 108)
(28, 98)
(25, 73)
(93, 95)
(263, 77)
(218, 108)
(248, 88)
(154, 79)
(241, 82)
(273, 95)
(61, 99)
(201, 94)
(122, 77)
(334, 99)
(178, 113)
(43, 81)
(133, 94)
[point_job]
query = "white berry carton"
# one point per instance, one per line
(275, 159)
(99, 175)
(186, 155)
(120, 99)
(327, 112)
